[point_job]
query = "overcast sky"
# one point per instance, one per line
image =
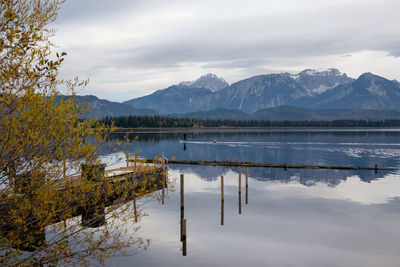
(130, 48)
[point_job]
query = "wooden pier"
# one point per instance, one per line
(86, 195)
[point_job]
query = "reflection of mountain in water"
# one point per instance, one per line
(310, 177)
(359, 148)
(307, 177)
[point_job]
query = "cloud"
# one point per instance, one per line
(132, 41)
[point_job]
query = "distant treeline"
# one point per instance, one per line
(167, 122)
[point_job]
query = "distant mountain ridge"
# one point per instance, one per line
(100, 108)
(308, 89)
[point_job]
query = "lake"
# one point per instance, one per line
(297, 217)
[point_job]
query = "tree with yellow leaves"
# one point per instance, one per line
(41, 137)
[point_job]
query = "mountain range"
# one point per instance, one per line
(307, 89)
(307, 95)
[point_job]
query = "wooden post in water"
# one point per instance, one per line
(184, 238)
(134, 209)
(182, 205)
(222, 200)
(240, 192)
(247, 186)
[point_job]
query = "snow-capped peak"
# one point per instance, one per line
(309, 72)
(317, 82)
(328, 72)
(208, 81)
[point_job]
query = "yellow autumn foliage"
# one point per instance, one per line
(41, 139)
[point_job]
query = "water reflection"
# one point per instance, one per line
(327, 182)
(365, 148)
(308, 177)
(296, 217)
(290, 224)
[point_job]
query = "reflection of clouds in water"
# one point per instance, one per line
(315, 226)
(385, 153)
(358, 152)
(193, 183)
(352, 189)
(208, 173)
(355, 152)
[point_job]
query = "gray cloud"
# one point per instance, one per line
(91, 10)
(168, 35)
(322, 32)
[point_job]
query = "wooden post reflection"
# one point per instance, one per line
(222, 200)
(247, 186)
(184, 238)
(182, 205)
(240, 192)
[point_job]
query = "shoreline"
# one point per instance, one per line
(253, 128)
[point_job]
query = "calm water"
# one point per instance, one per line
(293, 218)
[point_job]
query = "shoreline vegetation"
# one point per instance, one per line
(49, 215)
(162, 123)
(118, 129)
